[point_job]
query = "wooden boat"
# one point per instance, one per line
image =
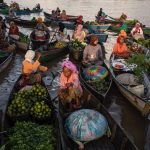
(8, 122)
(5, 11)
(47, 48)
(97, 94)
(5, 60)
(70, 17)
(3, 5)
(142, 104)
(26, 23)
(119, 140)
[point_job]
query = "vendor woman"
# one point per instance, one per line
(31, 68)
(120, 48)
(79, 33)
(93, 53)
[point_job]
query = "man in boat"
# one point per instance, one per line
(4, 45)
(58, 11)
(101, 16)
(38, 6)
(123, 18)
(31, 69)
(14, 31)
(54, 15)
(93, 54)
(63, 16)
(137, 32)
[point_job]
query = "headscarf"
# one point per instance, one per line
(29, 56)
(119, 37)
(123, 33)
(80, 20)
(68, 64)
(137, 26)
(40, 20)
(93, 39)
(12, 23)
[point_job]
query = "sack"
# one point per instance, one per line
(137, 90)
(127, 79)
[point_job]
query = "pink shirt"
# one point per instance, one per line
(73, 79)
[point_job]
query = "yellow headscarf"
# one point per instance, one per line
(40, 20)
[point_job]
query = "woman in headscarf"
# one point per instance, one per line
(79, 34)
(137, 32)
(63, 15)
(123, 33)
(40, 25)
(31, 68)
(101, 16)
(93, 54)
(14, 31)
(120, 48)
(70, 89)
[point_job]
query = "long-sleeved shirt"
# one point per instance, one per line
(93, 53)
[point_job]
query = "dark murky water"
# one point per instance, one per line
(137, 127)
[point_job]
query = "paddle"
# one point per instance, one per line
(54, 35)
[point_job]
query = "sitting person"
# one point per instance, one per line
(40, 35)
(101, 16)
(137, 32)
(4, 45)
(79, 34)
(54, 15)
(123, 18)
(120, 49)
(58, 11)
(93, 54)
(40, 25)
(11, 12)
(14, 31)
(31, 69)
(63, 15)
(70, 90)
(38, 6)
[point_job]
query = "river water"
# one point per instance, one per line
(137, 127)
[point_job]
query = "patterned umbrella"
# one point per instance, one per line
(86, 125)
(95, 72)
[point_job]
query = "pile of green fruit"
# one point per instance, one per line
(31, 136)
(60, 44)
(18, 107)
(26, 101)
(24, 38)
(39, 91)
(40, 110)
(131, 22)
(145, 43)
(100, 86)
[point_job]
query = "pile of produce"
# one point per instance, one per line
(60, 44)
(100, 86)
(24, 39)
(40, 110)
(135, 48)
(145, 43)
(91, 23)
(131, 22)
(30, 102)
(77, 45)
(31, 136)
(143, 64)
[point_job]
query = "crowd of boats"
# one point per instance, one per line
(85, 79)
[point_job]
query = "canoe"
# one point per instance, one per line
(52, 53)
(5, 60)
(26, 23)
(119, 139)
(141, 104)
(8, 122)
(5, 11)
(97, 94)
(47, 48)
(97, 28)
(70, 17)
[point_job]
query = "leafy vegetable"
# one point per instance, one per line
(100, 86)
(131, 22)
(145, 43)
(141, 60)
(31, 136)
(77, 45)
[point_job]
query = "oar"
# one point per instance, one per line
(54, 35)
